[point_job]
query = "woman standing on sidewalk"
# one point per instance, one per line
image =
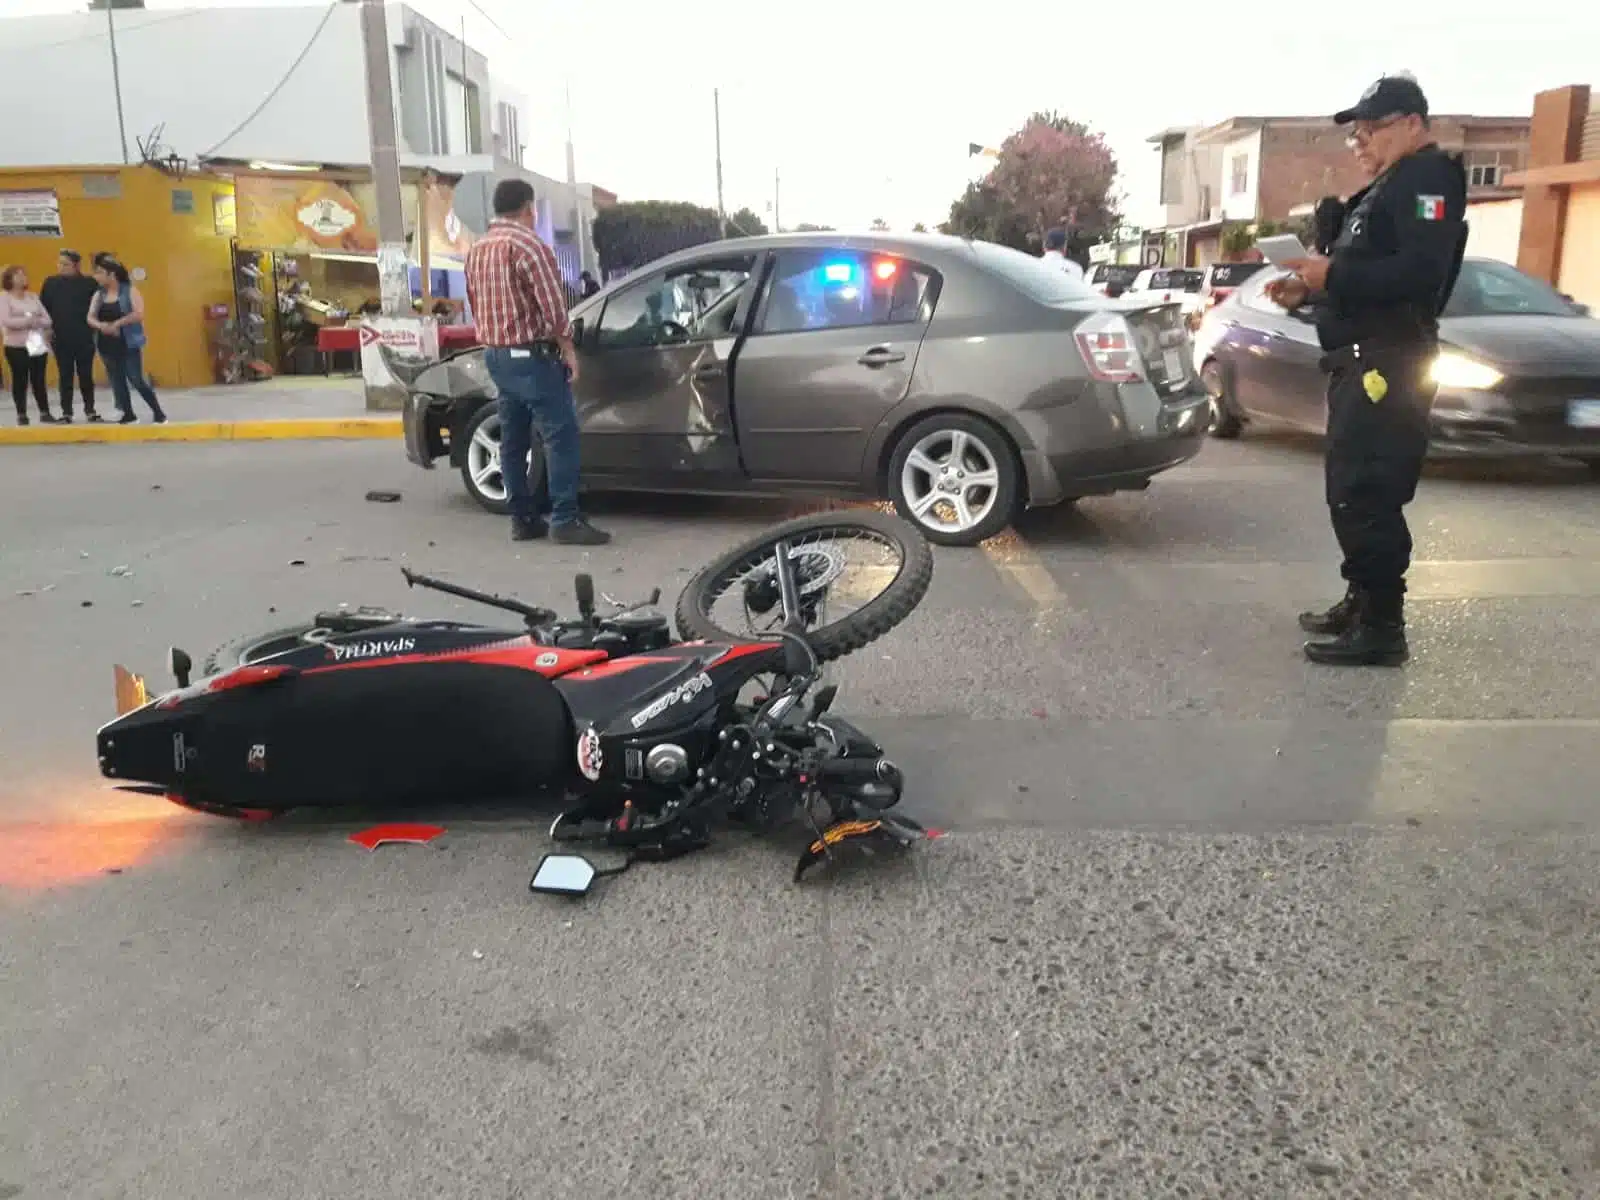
(117, 317)
(27, 337)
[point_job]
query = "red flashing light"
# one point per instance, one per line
(885, 268)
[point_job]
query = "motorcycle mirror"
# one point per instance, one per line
(180, 665)
(563, 875)
(583, 586)
(655, 597)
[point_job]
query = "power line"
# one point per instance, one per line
(282, 83)
(33, 48)
(500, 29)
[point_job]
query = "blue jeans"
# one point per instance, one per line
(534, 392)
(125, 369)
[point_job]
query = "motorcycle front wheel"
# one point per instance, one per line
(873, 560)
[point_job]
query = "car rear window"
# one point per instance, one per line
(1118, 273)
(1230, 275)
(1043, 281)
(1176, 280)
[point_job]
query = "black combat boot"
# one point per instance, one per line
(1376, 638)
(1331, 622)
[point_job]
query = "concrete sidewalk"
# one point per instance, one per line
(294, 407)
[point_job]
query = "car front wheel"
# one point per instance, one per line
(480, 468)
(955, 478)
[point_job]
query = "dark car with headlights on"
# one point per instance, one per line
(1518, 367)
(960, 379)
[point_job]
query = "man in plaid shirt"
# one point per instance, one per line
(514, 290)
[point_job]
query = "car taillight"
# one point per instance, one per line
(1106, 343)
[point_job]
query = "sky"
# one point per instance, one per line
(851, 111)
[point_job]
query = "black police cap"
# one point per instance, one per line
(1391, 96)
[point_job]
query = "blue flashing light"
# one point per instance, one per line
(839, 272)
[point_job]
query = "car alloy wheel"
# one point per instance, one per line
(1223, 423)
(955, 478)
(483, 461)
(480, 468)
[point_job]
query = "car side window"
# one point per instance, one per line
(840, 289)
(692, 303)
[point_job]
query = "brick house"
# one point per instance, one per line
(1248, 169)
(1559, 238)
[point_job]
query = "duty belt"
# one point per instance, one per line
(1347, 358)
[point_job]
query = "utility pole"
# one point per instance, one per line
(466, 109)
(716, 109)
(394, 276)
(116, 77)
(777, 219)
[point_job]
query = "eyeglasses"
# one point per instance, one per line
(1361, 133)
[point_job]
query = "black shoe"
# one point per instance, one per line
(1331, 622)
(160, 418)
(48, 418)
(22, 419)
(1367, 643)
(65, 419)
(579, 533)
(127, 419)
(93, 418)
(528, 531)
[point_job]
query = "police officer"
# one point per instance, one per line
(1377, 296)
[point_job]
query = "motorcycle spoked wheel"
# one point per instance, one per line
(807, 537)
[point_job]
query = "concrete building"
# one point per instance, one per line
(276, 85)
(1559, 235)
(1251, 169)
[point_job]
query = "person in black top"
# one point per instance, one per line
(1376, 298)
(588, 283)
(66, 296)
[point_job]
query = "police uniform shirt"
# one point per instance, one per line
(1397, 253)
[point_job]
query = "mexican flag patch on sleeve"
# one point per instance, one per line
(1430, 208)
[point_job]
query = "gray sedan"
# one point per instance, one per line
(959, 379)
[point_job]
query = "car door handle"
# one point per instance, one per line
(1276, 336)
(714, 370)
(881, 356)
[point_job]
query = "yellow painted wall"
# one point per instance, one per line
(187, 262)
(1580, 246)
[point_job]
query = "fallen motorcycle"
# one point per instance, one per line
(658, 740)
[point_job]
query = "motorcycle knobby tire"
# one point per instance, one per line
(867, 624)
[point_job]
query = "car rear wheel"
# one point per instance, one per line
(480, 467)
(1224, 422)
(956, 478)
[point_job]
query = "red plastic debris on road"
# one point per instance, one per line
(379, 835)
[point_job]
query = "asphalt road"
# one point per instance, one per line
(1211, 922)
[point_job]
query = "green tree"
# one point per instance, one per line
(879, 225)
(981, 214)
(807, 227)
(745, 223)
(919, 227)
(632, 234)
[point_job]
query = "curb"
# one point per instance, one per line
(292, 429)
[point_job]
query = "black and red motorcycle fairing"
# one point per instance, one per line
(657, 739)
(416, 711)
